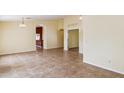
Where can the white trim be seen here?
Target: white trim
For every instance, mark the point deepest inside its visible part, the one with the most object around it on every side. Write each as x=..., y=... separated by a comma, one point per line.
x=16, y=52
x=113, y=70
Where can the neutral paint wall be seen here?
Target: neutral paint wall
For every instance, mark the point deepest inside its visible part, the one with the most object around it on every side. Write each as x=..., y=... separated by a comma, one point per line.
x=52, y=34
x=73, y=38
x=70, y=23
x=0, y=38
x=104, y=41
x=14, y=39
x=60, y=39
x=60, y=24
x=60, y=33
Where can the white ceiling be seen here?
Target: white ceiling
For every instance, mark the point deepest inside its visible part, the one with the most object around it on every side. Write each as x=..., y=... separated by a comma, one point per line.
x=33, y=17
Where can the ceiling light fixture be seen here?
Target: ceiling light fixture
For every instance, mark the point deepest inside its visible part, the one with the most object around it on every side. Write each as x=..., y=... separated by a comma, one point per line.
x=22, y=24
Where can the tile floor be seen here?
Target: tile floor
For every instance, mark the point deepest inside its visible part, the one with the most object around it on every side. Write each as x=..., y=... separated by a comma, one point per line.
x=54, y=63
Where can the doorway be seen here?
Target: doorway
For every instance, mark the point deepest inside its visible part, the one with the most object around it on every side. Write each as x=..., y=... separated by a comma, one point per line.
x=73, y=40
x=39, y=38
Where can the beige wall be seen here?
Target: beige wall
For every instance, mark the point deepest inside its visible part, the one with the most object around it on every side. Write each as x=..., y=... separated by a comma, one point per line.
x=104, y=41
x=60, y=35
x=14, y=39
x=52, y=34
x=70, y=23
x=73, y=38
x=0, y=38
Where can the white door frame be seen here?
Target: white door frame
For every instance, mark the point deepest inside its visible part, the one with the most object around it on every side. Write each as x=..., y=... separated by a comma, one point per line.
x=68, y=36
x=66, y=39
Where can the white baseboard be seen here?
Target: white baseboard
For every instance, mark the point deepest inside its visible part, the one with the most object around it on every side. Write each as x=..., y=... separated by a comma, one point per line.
x=113, y=70
x=14, y=52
